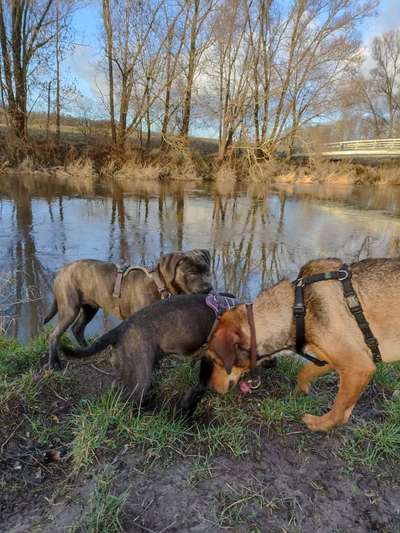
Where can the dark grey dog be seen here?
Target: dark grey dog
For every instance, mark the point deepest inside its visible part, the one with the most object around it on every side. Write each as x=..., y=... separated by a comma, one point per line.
x=82, y=287
x=179, y=325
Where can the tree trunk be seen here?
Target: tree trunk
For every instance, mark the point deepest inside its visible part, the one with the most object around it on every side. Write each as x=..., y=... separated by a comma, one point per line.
x=148, y=118
x=109, y=52
x=48, y=110
x=165, y=122
x=123, y=112
x=58, y=99
x=187, y=103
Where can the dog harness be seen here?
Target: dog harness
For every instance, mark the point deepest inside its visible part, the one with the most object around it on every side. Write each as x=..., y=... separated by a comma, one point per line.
x=344, y=275
x=123, y=271
x=219, y=303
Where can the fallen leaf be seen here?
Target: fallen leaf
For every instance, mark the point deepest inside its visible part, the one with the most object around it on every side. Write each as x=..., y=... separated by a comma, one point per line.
x=53, y=455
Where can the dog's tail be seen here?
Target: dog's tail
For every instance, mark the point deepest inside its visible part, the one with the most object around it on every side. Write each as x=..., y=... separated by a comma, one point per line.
x=108, y=339
x=53, y=311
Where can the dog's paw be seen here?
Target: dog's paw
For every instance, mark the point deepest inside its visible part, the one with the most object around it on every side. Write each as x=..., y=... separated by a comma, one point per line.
x=187, y=405
x=302, y=389
x=316, y=423
x=56, y=364
x=183, y=412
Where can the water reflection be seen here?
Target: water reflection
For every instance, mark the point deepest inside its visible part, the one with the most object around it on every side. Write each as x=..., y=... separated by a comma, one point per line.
x=256, y=235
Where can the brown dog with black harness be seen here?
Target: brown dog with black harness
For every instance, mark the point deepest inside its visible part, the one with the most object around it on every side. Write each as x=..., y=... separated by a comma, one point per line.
x=82, y=287
x=343, y=319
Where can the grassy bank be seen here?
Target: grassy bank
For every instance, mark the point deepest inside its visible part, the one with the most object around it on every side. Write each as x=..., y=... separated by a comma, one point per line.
x=84, y=161
x=62, y=431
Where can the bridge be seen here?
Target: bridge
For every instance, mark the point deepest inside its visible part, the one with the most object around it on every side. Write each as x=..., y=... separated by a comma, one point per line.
x=367, y=149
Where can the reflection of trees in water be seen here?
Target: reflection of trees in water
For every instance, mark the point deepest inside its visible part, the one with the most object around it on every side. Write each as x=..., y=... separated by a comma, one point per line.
x=258, y=252
x=357, y=196
x=250, y=237
x=128, y=238
x=118, y=226
x=32, y=279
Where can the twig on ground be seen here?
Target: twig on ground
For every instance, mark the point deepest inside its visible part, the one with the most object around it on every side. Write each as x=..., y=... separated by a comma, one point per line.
x=10, y=436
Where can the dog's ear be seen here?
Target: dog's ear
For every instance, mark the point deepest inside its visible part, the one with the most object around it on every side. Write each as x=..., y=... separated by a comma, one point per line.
x=169, y=263
x=224, y=345
x=205, y=254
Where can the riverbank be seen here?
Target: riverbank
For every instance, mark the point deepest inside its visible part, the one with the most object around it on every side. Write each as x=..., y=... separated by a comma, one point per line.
x=86, y=162
x=74, y=454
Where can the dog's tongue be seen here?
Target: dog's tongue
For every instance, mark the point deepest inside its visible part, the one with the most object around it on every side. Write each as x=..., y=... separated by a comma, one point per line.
x=244, y=387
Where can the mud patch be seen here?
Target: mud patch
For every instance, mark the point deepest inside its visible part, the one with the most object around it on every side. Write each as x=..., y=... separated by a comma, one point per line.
x=246, y=463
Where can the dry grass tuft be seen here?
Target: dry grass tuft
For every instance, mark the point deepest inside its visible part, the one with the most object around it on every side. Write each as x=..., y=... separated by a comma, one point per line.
x=82, y=167
x=179, y=161
x=135, y=170
x=225, y=174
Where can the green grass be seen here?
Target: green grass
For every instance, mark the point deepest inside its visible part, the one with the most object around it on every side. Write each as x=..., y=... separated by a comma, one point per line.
x=289, y=366
x=110, y=422
x=224, y=437
x=239, y=505
x=290, y=409
x=175, y=381
x=199, y=471
x=223, y=424
x=95, y=426
x=374, y=441
x=16, y=358
x=388, y=376
x=104, y=507
x=159, y=434
x=230, y=429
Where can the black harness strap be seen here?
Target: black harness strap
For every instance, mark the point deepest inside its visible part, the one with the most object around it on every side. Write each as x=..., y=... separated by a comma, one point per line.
x=355, y=307
x=299, y=311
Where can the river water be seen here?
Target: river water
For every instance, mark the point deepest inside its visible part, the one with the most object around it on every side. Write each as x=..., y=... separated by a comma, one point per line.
x=256, y=234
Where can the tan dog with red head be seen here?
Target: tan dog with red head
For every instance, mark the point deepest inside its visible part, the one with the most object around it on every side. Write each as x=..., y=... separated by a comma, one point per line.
x=332, y=333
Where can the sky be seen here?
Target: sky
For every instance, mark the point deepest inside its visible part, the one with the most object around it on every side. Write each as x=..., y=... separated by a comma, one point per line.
x=83, y=61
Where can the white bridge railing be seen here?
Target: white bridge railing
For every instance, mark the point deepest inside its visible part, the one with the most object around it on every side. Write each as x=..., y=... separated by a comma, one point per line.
x=376, y=148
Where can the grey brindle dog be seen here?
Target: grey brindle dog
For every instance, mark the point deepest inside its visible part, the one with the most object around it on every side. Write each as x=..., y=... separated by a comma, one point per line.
x=179, y=325
x=82, y=287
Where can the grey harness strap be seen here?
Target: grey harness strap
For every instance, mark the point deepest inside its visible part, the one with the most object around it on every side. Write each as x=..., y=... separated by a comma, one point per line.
x=123, y=271
x=162, y=289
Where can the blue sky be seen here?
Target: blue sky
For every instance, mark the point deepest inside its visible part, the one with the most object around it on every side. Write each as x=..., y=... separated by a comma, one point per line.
x=82, y=63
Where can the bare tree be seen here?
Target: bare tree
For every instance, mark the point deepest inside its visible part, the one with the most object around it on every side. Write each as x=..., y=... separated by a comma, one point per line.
x=386, y=77
x=134, y=51
x=233, y=73
x=199, y=11
x=373, y=98
x=176, y=29
x=108, y=30
x=26, y=27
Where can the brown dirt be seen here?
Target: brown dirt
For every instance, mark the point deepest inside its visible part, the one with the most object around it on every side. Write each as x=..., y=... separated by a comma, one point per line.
x=283, y=485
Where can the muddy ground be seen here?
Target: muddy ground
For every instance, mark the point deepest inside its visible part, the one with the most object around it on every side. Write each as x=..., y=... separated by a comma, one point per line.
x=264, y=472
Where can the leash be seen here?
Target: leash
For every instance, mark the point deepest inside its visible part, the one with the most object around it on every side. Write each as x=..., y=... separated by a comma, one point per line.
x=253, y=339
x=343, y=275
